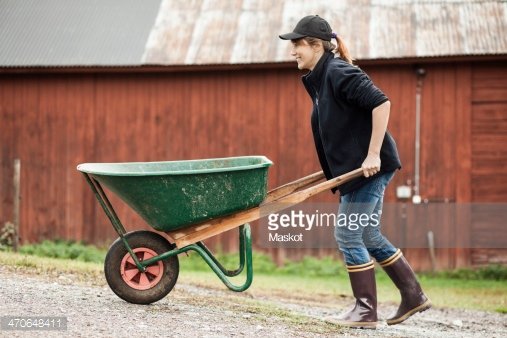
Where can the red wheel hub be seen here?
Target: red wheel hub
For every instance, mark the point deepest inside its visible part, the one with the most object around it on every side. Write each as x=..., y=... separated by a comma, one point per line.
x=137, y=279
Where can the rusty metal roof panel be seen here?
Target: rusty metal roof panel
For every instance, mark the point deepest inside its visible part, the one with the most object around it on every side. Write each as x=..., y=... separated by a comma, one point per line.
x=235, y=32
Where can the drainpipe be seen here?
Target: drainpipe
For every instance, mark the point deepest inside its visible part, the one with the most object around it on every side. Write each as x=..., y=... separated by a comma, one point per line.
x=420, y=73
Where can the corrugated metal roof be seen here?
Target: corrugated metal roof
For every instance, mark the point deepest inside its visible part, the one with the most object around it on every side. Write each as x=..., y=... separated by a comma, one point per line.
x=236, y=31
x=75, y=32
x=188, y=32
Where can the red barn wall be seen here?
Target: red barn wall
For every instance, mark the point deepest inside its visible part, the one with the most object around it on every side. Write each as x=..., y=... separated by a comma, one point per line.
x=54, y=121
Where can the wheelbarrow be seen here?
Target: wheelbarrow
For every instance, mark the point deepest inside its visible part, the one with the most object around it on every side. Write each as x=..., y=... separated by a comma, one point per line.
x=189, y=201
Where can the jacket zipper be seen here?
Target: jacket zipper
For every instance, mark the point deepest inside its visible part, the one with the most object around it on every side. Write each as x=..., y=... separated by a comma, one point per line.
x=318, y=115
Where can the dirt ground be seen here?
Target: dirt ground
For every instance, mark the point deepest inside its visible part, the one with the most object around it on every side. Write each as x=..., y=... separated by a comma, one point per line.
x=93, y=310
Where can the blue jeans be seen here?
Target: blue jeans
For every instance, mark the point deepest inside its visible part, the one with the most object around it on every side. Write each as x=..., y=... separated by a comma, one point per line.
x=358, y=225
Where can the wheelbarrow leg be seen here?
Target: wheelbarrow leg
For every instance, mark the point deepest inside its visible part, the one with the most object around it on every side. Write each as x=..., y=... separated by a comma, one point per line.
x=242, y=253
x=245, y=258
x=113, y=217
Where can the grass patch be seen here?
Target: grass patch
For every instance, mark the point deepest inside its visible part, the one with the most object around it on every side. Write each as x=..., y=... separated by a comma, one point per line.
x=501, y=310
x=65, y=250
x=490, y=272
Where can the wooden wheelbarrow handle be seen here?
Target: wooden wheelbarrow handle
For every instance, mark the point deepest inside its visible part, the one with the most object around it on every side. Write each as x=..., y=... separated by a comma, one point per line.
x=286, y=197
x=290, y=199
x=289, y=188
x=285, y=193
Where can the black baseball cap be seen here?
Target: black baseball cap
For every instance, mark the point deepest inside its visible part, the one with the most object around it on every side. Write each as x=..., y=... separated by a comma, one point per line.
x=313, y=26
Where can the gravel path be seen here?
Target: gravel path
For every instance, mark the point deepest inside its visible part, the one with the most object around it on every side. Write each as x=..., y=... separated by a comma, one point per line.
x=191, y=311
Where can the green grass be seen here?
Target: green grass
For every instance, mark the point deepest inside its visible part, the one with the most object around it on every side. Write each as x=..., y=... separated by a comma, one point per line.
x=65, y=250
x=311, y=278
x=490, y=272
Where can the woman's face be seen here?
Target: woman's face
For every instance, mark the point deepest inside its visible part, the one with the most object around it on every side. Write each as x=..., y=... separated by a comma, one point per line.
x=306, y=55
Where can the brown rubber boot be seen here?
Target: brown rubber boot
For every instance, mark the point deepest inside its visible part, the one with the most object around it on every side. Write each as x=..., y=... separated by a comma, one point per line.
x=413, y=299
x=364, y=289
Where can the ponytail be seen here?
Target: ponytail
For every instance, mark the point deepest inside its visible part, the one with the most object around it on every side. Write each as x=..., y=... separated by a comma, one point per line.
x=342, y=49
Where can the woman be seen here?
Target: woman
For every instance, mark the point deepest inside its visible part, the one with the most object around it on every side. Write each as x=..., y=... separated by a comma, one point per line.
x=349, y=124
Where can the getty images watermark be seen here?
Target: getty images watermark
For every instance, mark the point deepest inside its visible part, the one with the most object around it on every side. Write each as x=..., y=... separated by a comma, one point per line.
x=299, y=221
x=407, y=225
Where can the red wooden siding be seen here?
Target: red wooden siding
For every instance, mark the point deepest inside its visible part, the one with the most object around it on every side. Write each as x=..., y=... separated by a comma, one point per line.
x=489, y=134
x=489, y=155
x=53, y=122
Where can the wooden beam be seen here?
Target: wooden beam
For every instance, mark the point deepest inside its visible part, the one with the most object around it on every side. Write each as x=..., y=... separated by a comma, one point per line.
x=289, y=188
x=15, y=219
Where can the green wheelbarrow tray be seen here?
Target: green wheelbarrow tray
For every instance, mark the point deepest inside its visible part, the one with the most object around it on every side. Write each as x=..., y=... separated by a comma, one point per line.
x=171, y=195
x=190, y=201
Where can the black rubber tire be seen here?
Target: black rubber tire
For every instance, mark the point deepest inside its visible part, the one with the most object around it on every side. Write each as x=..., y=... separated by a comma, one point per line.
x=138, y=239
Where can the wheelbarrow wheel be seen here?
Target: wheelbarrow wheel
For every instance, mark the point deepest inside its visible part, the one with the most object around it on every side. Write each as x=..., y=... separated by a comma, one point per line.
x=132, y=285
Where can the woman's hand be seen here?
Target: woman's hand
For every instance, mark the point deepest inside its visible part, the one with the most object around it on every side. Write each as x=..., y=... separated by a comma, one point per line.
x=371, y=164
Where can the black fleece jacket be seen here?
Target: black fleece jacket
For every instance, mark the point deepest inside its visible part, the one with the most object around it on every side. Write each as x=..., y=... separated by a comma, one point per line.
x=343, y=99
